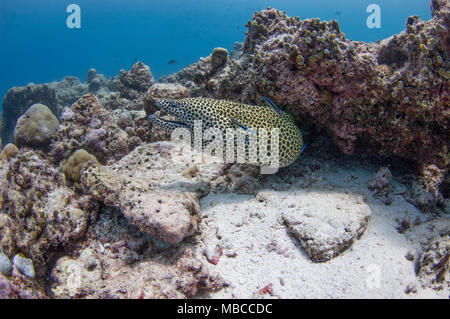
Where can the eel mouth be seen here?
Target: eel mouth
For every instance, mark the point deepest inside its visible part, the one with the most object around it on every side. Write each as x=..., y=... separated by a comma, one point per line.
x=164, y=115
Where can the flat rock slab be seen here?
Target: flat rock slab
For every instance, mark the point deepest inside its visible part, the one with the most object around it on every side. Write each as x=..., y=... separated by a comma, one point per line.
x=327, y=224
x=168, y=214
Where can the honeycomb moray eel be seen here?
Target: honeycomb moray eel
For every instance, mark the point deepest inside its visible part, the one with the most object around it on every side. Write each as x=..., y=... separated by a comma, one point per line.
x=224, y=114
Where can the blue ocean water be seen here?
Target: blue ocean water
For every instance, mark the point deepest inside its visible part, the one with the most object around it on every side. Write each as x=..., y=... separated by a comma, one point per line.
x=36, y=45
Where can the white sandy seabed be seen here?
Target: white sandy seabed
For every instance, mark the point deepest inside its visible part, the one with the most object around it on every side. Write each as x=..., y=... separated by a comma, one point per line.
x=258, y=250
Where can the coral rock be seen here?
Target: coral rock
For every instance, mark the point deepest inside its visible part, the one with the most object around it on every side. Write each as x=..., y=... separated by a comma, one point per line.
x=386, y=98
x=24, y=265
x=90, y=126
x=326, y=232
x=42, y=213
x=179, y=276
x=381, y=185
x=5, y=264
x=36, y=127
x=168, y=214
x=18, y=99
x=8, y=152
x=74, y=164
x=134, y=83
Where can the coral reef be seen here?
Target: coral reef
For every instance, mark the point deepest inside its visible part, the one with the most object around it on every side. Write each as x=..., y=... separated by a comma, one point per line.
x=203, y=75
x=104, y=211
x=386, y=98
x=35, y=127
x=41, y=217
x=159, y=196
x=55, y=95
x=17, y=289
x=424, y=190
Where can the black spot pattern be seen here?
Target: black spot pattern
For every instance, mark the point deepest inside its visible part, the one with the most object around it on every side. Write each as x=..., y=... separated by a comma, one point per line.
x=218, y=113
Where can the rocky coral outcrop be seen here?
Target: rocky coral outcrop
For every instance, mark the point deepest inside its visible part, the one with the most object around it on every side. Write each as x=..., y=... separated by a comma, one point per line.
x=75, y=164
x=68, y=90
x=327, y=230
x=55, y=95
x=41, y=217
x=166, y=214
x=35, y=127
x=17, y=289
x=424, y=191
x=99, y=84
x=90, y=126
x=134, y=83
x=159, y=193
x=170, y=215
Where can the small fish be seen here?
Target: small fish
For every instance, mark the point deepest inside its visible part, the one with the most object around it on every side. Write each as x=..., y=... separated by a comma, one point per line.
x=223, y=114
x=171, y=61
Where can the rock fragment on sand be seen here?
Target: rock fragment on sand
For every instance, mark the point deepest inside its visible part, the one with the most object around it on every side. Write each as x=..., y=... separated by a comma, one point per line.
x=24, y=265
x=328, y=226
x=9, y=151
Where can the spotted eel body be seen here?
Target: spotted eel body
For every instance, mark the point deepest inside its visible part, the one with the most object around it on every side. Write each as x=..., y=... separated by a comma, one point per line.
x=224, y=114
